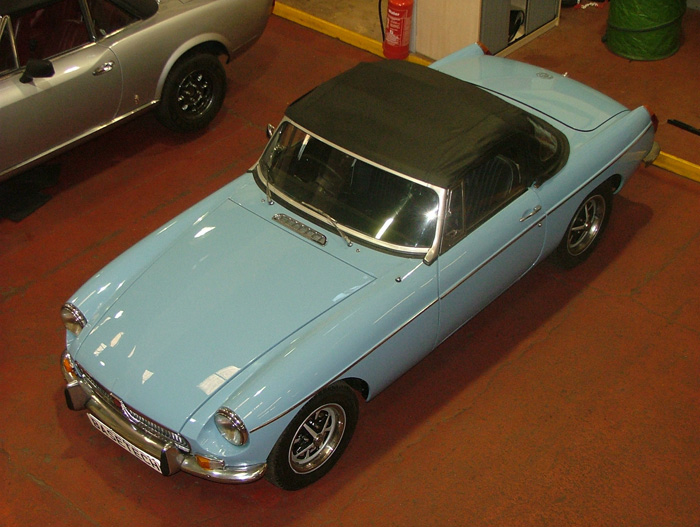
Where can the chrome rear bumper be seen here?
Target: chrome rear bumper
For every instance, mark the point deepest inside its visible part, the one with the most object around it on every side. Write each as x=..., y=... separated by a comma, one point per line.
x=160, y=455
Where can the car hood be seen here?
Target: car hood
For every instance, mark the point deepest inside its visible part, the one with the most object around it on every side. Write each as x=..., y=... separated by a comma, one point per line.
x=227, y=290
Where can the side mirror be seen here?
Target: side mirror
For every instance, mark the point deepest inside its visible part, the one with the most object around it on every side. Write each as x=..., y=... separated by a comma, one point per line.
x=36, y=69
x=270, y=130
x=430, y=257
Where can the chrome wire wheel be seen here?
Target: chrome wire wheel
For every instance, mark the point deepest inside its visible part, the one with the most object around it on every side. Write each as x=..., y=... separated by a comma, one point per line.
x=586, y=225
x=317, y=439
x=195, y=93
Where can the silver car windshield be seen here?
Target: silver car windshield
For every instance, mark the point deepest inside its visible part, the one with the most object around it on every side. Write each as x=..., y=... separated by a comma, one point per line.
x=362, y=198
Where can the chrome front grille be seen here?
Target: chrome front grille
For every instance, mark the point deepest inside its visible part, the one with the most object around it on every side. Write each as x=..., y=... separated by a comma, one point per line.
x=141, y=421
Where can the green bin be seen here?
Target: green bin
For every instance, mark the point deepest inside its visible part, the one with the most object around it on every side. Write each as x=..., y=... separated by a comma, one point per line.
x=644, y=29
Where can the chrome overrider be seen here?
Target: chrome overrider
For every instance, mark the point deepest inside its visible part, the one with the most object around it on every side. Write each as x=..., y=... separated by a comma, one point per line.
x=82, y=395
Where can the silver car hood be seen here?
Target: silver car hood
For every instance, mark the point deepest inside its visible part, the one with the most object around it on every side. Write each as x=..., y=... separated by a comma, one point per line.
x=225, y=292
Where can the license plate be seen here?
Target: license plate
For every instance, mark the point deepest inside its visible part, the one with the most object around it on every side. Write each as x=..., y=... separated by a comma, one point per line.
x=147, y=458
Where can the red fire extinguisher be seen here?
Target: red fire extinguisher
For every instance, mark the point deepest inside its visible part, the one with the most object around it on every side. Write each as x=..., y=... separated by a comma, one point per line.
x=398, y=29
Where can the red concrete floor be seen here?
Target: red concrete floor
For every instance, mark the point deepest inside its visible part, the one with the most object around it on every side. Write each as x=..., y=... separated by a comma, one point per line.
x=571, y=400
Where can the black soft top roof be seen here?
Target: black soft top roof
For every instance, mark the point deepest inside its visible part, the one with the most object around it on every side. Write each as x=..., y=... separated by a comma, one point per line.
x=407, y=117
x=138, y=8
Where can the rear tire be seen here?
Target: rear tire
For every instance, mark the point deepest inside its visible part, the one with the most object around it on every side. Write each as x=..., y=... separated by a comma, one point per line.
x=586, y=227
x=315, y=439
x=193, y=93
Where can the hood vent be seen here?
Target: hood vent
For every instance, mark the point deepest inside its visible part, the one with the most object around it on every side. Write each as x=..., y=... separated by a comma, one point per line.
x=301, y=229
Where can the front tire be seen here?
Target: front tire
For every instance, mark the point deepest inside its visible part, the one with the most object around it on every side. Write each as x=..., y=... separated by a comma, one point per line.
x=586, y=227
x=315, y=439
x=193, y=93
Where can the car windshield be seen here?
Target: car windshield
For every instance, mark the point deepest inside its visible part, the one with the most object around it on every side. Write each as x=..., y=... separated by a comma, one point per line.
x=361, y=198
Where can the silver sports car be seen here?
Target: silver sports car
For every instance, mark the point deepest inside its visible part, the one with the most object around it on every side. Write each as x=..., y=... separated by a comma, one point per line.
x=71, y=68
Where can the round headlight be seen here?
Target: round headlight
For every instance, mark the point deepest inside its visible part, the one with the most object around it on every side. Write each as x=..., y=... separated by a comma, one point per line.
x=231, y=426
x=73, y=319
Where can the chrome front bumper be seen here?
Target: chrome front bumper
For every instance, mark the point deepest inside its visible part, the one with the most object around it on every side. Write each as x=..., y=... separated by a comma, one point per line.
x=160, y=455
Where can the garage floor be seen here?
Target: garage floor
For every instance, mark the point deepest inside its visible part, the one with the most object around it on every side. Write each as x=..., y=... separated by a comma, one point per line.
x=571, y=400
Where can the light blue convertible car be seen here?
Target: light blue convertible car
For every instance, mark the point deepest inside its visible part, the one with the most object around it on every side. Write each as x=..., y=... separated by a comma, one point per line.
x=392, y=204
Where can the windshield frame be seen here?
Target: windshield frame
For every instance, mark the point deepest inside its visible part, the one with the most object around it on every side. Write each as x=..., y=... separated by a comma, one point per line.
x=322, y=219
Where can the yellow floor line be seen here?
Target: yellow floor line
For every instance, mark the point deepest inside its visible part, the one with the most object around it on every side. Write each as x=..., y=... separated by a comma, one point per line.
x=664, y=160
x=678, y=166
x=332, y=30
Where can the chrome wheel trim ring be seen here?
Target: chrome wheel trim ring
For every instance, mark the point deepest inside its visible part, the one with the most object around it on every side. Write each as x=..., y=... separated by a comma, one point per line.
x=586, y=225
x=195, y=93
x=317, y=439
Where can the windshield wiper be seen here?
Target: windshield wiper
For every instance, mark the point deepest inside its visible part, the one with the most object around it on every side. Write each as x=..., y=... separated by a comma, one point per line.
x=267, y=165
x=268, y=192
x=331, y=220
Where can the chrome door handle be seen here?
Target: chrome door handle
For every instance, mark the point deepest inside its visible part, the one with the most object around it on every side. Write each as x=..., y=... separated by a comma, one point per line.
x=532, y=213
x=105, y=68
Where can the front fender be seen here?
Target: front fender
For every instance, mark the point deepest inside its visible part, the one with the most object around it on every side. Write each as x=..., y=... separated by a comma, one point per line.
x=374, y=327
x=209, y=43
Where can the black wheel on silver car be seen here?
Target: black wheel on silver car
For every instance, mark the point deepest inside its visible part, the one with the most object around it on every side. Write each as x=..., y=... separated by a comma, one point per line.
x=586, y=227
x=193, y=93
x=315, y=439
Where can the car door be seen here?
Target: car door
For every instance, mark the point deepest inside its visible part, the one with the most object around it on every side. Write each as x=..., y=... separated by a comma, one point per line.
x=493, y=234
x=41, y=114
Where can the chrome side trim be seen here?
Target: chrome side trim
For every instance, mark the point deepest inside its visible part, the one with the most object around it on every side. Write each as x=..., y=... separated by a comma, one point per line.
x=360, y=359
x=601, y=172
x=538, y=224
x=56, y=150
x=385, y=340
x=550, y=211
